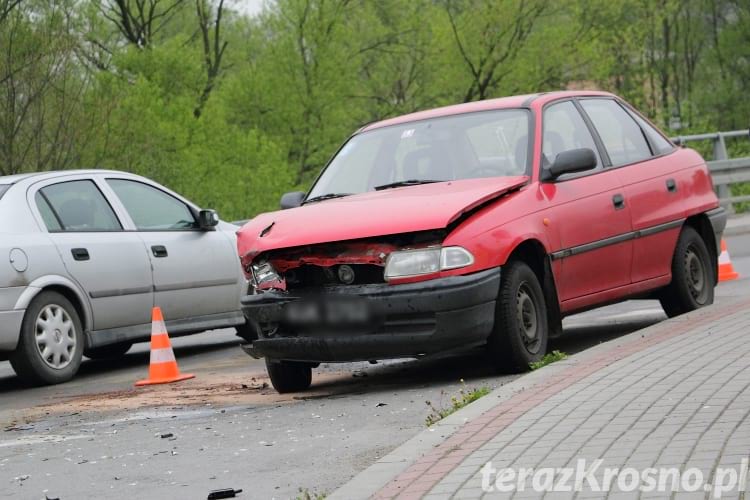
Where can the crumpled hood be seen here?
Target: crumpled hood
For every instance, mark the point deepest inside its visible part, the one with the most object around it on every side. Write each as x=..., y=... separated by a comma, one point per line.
x=376, y=213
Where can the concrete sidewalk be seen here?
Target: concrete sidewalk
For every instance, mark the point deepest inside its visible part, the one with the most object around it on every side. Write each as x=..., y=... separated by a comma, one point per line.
x=675, y=395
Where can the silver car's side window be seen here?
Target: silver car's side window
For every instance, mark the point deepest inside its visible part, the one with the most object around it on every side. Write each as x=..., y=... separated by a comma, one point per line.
x=76, y=206
x=48, y=215
x=152, y=209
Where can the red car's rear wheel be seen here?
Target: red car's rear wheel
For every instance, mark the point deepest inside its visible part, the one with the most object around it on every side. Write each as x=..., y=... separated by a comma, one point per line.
x=693, y=277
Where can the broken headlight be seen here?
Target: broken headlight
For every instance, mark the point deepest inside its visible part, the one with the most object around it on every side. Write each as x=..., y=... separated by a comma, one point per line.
x=407, y=263
x=265, y=276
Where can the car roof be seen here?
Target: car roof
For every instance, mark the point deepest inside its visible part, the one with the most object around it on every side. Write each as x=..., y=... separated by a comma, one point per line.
x=519, y=101
x=52, y=174
x=12, y=179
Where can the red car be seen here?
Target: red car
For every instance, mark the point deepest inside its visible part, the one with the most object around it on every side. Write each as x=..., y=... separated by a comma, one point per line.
x=481, y=224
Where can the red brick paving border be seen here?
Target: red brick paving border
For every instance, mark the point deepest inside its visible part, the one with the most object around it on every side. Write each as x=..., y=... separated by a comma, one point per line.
x=428, y=470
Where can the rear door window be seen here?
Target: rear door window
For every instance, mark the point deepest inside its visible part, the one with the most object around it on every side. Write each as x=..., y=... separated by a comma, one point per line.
x=621, y=135
x=48, y=215
x=658, y=142
x=3, y=189
x=76, y=206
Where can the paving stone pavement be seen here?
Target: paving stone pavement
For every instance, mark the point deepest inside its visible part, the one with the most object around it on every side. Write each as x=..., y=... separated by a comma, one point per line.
x=676, y=395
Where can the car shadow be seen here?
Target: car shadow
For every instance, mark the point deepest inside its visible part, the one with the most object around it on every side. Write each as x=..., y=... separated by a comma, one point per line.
x=471, y=367
x=360, y=378
x=92, y=368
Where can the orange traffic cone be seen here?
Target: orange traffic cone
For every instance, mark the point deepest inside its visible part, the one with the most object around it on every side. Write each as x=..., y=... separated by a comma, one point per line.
x=726, y=270
x=163, y=367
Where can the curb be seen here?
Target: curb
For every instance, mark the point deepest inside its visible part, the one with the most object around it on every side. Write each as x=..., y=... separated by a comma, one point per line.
x=368, y=482
x=737, y=230
x=737, y=225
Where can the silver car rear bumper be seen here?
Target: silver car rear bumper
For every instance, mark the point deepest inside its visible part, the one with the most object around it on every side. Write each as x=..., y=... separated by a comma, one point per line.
x=10, y=327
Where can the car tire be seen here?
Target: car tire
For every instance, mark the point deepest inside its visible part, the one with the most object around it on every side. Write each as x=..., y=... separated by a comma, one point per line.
x=289, y=376
x=51, y=324
x=108, y=351
x=521, y=331
x=693, y=277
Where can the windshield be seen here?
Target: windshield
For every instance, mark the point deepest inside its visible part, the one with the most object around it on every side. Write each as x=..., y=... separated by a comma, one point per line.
x=3, y=189
x=471, y=145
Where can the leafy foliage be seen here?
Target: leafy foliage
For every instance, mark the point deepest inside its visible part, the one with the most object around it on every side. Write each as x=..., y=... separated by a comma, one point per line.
x=548, y=358
x=465, y=396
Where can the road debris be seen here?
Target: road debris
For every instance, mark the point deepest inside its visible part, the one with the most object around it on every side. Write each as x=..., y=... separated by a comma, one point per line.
x=224, y=493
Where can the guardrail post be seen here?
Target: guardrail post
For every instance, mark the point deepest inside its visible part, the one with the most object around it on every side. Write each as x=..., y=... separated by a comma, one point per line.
x=720, y=153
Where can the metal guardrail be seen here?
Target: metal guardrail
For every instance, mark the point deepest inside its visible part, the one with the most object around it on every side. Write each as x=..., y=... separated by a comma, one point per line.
x=724, y=170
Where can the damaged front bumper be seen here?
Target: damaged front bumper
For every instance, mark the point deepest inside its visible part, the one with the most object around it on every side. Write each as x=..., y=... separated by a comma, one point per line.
x=417, y=319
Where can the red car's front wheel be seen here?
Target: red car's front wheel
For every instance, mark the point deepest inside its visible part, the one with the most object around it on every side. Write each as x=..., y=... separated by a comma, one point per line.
x=289, y=376
x=520, y=334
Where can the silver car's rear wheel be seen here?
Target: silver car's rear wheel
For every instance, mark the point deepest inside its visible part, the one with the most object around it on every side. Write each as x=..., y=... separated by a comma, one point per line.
x=50, y=345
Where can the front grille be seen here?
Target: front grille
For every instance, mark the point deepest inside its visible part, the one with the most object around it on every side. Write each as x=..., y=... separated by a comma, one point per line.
x=309, y=276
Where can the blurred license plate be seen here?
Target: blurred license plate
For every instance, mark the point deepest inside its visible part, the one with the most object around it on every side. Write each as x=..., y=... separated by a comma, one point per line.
x=332, y=314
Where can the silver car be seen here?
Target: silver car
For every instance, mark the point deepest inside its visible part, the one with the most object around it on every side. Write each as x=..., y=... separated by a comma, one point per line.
x=85, y=255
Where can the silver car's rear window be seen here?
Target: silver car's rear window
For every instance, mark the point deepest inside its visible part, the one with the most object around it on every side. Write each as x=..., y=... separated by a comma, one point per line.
x=3, y=189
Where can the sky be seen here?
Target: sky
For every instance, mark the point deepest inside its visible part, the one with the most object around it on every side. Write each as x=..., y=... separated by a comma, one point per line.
x=250, y=7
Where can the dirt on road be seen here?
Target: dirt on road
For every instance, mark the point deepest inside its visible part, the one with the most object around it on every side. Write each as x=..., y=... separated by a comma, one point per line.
x=210, y=390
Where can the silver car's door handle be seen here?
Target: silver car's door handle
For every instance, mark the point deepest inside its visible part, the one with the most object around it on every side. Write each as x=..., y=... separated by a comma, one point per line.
x=159, y=251
x=80, y=253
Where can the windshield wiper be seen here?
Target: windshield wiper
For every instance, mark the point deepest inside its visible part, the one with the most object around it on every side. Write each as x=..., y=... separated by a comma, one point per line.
x=408, y=182
x=326, y=196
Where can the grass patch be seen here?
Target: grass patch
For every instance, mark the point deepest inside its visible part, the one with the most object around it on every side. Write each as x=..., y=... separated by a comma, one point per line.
x=305, y=494
x=548, y=358
x=464, y=397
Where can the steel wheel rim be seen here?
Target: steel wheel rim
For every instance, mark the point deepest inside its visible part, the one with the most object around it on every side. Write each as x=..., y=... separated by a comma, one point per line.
x=55, y=336
x=695, y=273
x=527, y=317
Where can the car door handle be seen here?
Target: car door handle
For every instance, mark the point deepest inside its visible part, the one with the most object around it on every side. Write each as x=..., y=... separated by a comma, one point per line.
x=671, y=186
x=618, y=201
x=80, y=253
x=159, y=251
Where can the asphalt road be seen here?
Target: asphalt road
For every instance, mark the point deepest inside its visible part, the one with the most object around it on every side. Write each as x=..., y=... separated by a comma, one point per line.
x=98, y=436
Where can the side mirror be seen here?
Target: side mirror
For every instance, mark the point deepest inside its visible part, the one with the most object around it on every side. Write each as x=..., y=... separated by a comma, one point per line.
x=208, y=219
x=571, y=161
x=291, y=200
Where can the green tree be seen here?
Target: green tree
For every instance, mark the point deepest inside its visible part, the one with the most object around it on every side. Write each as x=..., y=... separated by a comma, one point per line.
x=42, y=88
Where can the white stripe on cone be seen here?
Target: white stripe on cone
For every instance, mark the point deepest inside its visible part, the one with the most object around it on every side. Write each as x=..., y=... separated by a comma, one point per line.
x=724, y=257
x=162, y=356
x=158, y=327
